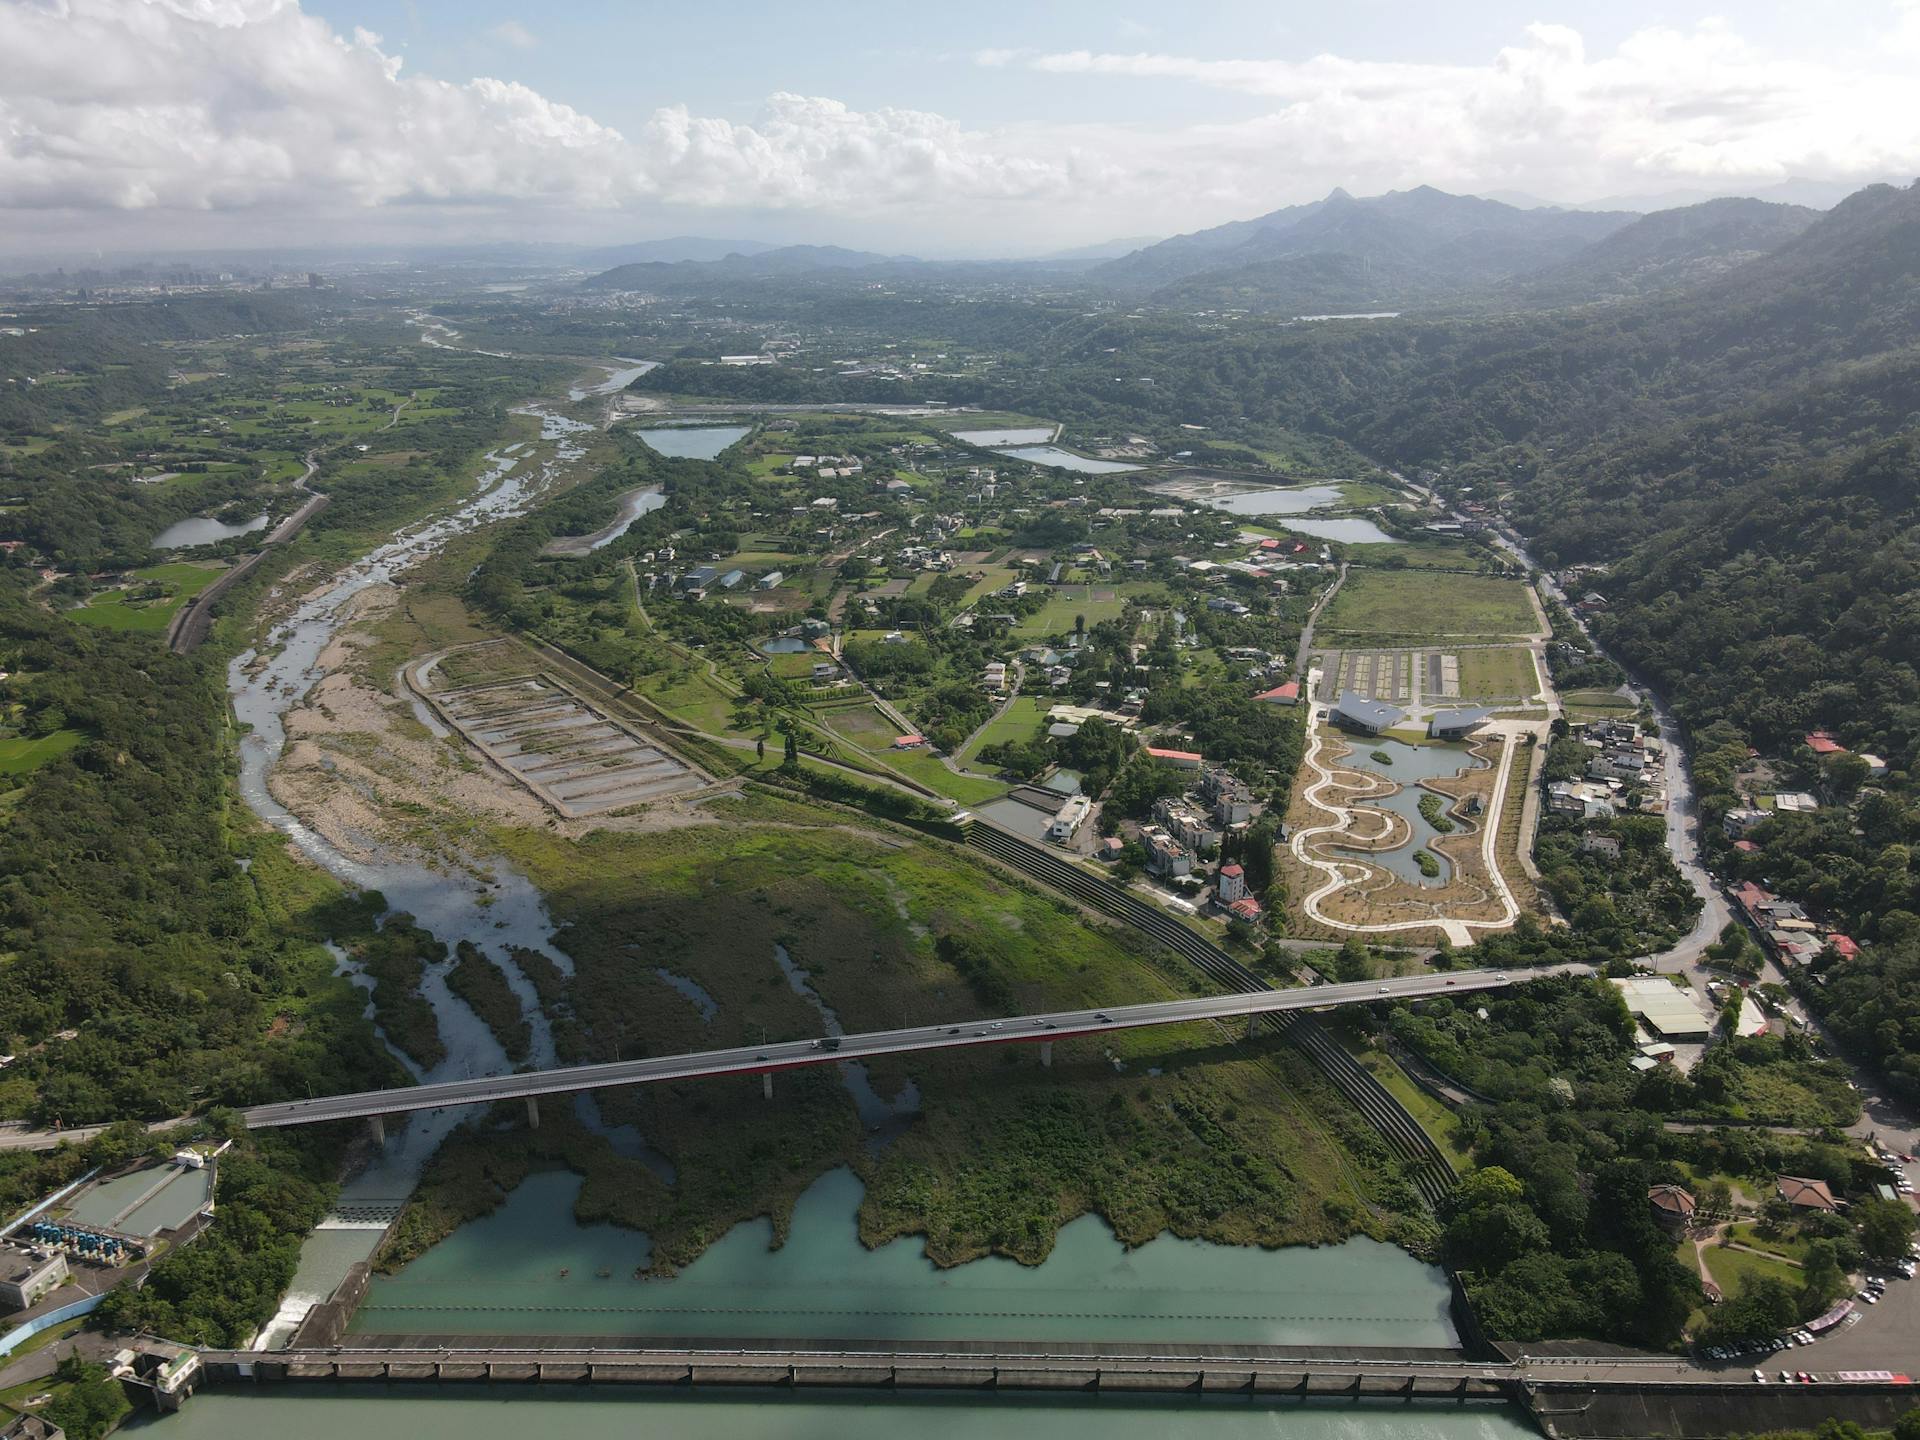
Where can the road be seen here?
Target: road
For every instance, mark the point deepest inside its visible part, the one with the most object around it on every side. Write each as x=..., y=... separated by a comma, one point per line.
x=787, y=1055
x=1306, y=631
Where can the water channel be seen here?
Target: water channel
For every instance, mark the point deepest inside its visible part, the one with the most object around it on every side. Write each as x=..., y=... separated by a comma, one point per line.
x=530, y=1267
x=492, y=905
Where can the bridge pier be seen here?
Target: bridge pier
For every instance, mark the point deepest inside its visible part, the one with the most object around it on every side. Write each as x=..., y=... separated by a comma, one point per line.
x=1046, y=1054
x=377, y=1127
x=766, y=1085
x=533, y=1112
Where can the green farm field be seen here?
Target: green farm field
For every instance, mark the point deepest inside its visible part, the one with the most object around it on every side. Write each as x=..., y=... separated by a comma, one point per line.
x=1436, y=605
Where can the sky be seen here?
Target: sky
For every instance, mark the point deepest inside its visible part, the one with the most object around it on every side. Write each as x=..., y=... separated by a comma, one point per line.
x=989, y=128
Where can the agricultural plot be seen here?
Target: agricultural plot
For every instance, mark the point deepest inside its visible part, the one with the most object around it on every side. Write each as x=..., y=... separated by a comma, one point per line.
x=559, y=745
x=1094, y=603
x=1497, y=673
x=1382, y=674
x=1437, y=605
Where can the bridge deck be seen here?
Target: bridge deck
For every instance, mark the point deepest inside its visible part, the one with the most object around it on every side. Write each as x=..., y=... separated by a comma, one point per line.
x=784, y=1055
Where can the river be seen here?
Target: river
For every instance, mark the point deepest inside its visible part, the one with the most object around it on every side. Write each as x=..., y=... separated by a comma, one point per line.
x=533, y=1261
x=491, y=905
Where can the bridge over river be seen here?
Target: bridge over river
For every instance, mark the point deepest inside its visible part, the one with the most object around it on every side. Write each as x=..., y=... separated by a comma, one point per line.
x=766, y=1060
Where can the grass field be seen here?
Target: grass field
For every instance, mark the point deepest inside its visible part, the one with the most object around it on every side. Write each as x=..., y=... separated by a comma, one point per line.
x=19, y=755
x=1787, y=1247
x=1019, y=722
x=1064, y=605
x=1435, y=554
x=1426, y=604
x=1733, y=1269
x=112, y=610
x=1597, y=705
x=864, y=727
x=1505, y=673
x=689, y=694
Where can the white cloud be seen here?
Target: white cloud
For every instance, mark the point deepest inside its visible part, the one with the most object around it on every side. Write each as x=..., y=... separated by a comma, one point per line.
x=256, y=115
x=231, y=104
x=512, y=32
x=1667, y=105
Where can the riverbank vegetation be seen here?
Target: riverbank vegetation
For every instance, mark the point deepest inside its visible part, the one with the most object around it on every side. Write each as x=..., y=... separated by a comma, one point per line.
x=1153, y=1130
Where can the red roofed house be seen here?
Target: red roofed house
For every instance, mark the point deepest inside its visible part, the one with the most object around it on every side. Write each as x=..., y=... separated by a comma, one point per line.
x=909, y=742
x=1746, y=847
x=1672, y=1206
x=1287, y=694
x=1264, y=544
x=1806, y=1194
x=1843, y=946
x=1231, y=883
x=1821, y=743
x=1246, y=911
x=1179, y=759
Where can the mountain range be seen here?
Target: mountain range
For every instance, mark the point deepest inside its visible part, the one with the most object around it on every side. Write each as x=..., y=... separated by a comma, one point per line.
x=1418, y=249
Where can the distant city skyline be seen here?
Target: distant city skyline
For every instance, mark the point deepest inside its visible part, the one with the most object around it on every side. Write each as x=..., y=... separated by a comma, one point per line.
x=1000, y=131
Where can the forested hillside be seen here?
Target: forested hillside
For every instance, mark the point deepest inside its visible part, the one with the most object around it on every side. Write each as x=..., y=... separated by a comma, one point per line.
x=147, y=972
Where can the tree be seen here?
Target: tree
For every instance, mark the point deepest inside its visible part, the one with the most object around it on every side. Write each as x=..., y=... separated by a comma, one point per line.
x=1886, y=1228
x=1353, y=962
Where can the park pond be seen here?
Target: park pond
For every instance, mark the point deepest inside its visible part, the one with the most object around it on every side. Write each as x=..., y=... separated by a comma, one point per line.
x=531, y=1268
x=204, y=530
x=693, y=442
x=1409, y=764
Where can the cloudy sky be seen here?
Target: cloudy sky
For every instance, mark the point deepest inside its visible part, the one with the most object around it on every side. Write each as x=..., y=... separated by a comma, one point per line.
x=985, y=128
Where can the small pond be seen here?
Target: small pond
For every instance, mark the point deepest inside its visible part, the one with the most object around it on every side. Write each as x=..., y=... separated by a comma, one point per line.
x=693, y=442
x=203, y=530
x=1067, y=460
x=1029, y=435
x=1347, y=529
x=1279, y=500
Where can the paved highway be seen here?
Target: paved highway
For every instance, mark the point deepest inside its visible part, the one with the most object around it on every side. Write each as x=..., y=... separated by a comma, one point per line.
x=786, y=1055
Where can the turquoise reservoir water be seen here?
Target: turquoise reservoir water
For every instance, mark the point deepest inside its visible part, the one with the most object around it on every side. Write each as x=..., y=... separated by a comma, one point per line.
x=529, y=1268
x=432, y=1412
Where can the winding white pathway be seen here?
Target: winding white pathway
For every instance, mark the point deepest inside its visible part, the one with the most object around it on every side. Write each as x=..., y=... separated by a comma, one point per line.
x=1339, y=876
